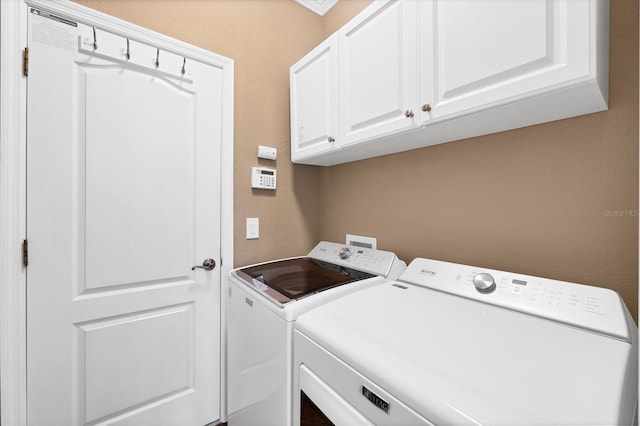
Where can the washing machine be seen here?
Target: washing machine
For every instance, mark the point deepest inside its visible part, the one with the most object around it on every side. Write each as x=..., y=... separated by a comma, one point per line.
x=462, y=345
x=263, y=303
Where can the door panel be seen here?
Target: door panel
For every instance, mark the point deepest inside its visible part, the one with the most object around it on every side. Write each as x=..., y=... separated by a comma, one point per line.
x=123, y=178
x=113, y=351
x=129, y=193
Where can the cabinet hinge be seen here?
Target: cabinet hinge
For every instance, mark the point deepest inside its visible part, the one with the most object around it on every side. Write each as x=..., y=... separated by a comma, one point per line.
x=25, y=253
x=25, y=62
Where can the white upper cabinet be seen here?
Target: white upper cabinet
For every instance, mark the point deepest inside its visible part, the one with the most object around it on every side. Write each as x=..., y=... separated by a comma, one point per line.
x=478, y=54
x=418, y=73
x=314, y=101
x=378, y=72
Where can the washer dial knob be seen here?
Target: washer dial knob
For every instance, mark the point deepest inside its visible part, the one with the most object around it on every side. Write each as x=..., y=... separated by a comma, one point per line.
x=484, y=283
x=344, y=253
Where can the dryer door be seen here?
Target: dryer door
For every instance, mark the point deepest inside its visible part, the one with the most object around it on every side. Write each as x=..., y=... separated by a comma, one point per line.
x=329, y=391
x=322, y=406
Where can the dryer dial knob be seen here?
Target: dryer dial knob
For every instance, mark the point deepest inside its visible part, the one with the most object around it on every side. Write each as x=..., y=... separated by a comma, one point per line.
x=484, y=283
x=344, y=253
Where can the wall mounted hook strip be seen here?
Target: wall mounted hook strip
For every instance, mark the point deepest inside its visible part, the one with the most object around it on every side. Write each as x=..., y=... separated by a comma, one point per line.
x=95, y=40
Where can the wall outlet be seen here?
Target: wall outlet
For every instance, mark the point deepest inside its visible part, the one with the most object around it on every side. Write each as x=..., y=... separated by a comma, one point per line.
x=360, y=241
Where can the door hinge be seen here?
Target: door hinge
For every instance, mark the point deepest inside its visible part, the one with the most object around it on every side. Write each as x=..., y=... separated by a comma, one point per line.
x=25, y=253
x=25, y=62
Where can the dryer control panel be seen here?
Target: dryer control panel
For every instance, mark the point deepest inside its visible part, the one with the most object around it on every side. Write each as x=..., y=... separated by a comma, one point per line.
x=592, y=308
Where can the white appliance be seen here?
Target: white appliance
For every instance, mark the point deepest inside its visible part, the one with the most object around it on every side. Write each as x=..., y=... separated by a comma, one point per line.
x=455, y=344
x=264, y=301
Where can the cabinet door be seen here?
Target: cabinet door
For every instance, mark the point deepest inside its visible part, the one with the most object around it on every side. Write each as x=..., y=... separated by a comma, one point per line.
x=314, y=101
x=378, y=71
x=476, y=55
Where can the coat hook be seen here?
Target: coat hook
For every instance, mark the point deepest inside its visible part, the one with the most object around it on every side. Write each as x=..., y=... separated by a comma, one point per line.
x=128, y=52
x=184, y=61
x=157, y=57
x=95, y=40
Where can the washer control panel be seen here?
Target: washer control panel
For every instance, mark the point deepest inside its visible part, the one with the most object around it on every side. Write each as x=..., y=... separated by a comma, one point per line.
x=377, y=262
x=592, y=308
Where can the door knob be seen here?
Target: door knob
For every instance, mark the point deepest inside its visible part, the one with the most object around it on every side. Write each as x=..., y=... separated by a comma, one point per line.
x=207, y=265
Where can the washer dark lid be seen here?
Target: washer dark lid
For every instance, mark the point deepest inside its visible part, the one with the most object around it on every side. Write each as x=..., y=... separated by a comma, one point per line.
x=296, y=278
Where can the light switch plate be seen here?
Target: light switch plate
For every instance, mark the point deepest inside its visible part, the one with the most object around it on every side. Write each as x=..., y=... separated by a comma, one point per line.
x=253, y=228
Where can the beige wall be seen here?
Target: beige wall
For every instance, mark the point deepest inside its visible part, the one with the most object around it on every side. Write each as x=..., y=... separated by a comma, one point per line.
x=264, y=38
x=532, y=200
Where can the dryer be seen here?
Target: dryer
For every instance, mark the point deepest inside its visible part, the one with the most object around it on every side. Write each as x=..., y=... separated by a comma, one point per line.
x=464, y=345
x=264, y=301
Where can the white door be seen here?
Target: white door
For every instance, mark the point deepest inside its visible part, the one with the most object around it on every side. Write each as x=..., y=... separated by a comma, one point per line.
x=476, y=55
x=123, y=186
x=378, y=72
x=314, y=101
